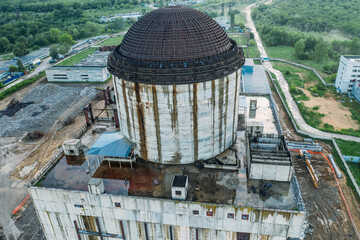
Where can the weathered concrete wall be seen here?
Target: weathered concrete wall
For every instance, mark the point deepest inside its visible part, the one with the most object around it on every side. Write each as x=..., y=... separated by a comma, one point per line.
x=77, y=75
x=179, y=123
x=58, y=209
x=272, y=172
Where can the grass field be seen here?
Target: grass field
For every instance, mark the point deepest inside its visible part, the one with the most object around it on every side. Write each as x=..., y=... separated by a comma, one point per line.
x=348, y=148
x=351, y=148
x=355, y=170
x=7, y=56
x=78, y=57
x=112, y=41
x=288, y=53
x=300, y=79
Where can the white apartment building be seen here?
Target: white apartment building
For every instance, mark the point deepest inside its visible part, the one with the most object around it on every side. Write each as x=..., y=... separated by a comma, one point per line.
x=348, y=75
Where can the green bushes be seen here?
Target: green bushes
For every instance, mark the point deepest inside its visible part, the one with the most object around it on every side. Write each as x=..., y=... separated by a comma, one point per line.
x=349, y=148
x=21, y=85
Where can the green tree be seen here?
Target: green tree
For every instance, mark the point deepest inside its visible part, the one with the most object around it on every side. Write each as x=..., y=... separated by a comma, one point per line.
x=1, y=85
x=64, y=49
x=66, y=39
x=232, y=19
x=20, y=49
x=13, y=68
x=93, y=28
x=54, y=35
x=4, y=44
x=21, y=67
x=54, y=52
x=299, y=48
x=320, y=52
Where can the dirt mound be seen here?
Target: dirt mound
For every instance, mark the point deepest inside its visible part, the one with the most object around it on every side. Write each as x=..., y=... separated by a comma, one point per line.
x=68, y=121
x=107, y=48
x=13, y=107
x=34, y=135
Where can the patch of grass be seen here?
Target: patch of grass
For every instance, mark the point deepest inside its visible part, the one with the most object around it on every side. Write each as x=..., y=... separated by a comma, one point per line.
x=7, y=56
x=349, y=148
x=78, y=57
x=355, y=170
x=296, y=76
x=288, y=53
x=21, y=85
x=254, y=52
x=257, y=62
x=112, y=41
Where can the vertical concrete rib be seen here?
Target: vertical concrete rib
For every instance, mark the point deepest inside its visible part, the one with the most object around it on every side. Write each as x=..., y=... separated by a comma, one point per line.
x=213, y=139
x=175, y=123
x=226, y=109
x=157, y=122
x=141, y=121
x=221, y=112
x=126, y=109
x=235, y=110
x=195, y=122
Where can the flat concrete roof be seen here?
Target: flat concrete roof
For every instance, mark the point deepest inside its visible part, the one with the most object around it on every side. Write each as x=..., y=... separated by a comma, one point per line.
x=264, y=113
x=255, y=81
x=76, y=67
x=98, y=58
x=146, y=179
x=352, y=58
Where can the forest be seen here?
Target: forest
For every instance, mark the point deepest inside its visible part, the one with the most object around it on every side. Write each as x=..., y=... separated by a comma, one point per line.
x=294, y=22
x=27, y=25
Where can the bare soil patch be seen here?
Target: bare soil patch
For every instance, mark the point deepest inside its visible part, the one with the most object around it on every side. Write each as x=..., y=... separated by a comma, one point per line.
x=335, y=114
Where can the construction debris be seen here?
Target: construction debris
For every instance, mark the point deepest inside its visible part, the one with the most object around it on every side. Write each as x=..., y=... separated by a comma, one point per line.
x=40, y=108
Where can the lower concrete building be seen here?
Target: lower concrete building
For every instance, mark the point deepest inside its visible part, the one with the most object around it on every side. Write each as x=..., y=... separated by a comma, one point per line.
x=77, y=74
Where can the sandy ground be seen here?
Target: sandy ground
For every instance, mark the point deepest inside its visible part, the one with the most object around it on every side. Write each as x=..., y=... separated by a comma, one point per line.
x=335, y=114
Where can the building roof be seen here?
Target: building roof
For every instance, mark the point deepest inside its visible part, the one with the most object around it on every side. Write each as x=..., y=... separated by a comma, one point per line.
x=179, y=181
x=111, y=144
x=64, y=68
x=175, y=44
x=254, y=79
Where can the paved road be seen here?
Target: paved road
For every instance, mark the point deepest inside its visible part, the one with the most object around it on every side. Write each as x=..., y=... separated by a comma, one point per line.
x=44, y=65
x=285, y=88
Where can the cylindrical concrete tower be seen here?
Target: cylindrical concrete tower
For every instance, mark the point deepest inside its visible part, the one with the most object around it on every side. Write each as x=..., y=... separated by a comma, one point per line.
x=177, y=81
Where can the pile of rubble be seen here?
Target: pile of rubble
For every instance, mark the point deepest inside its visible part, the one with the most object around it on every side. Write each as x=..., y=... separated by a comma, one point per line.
x=41, y=107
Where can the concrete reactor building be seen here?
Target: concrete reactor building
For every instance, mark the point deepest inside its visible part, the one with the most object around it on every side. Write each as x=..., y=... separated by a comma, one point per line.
x=180, y=162
x=177, y=80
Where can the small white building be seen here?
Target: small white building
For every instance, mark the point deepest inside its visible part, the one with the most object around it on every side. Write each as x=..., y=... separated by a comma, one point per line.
x=348, y=74
x=179, y=187
x=77, y=74
x=72, y=147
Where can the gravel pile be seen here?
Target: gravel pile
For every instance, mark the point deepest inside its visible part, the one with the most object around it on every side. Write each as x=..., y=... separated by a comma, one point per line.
x=48, y=102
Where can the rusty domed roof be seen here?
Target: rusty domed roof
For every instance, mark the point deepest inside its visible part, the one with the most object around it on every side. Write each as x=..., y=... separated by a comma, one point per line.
x=175, y=45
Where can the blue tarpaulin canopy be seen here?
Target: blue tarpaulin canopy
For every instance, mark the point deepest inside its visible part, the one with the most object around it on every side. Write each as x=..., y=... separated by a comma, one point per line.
x=111, y=144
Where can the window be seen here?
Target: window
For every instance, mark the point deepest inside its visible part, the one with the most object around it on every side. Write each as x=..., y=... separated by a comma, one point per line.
x=117, y=205
x=79, y=206
x=245, y=217
x=231, y=215
x=195, y=212
x=353, y=75
x=354, y=70
x=209, y=213
x=71, y=151
x=178, y=192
